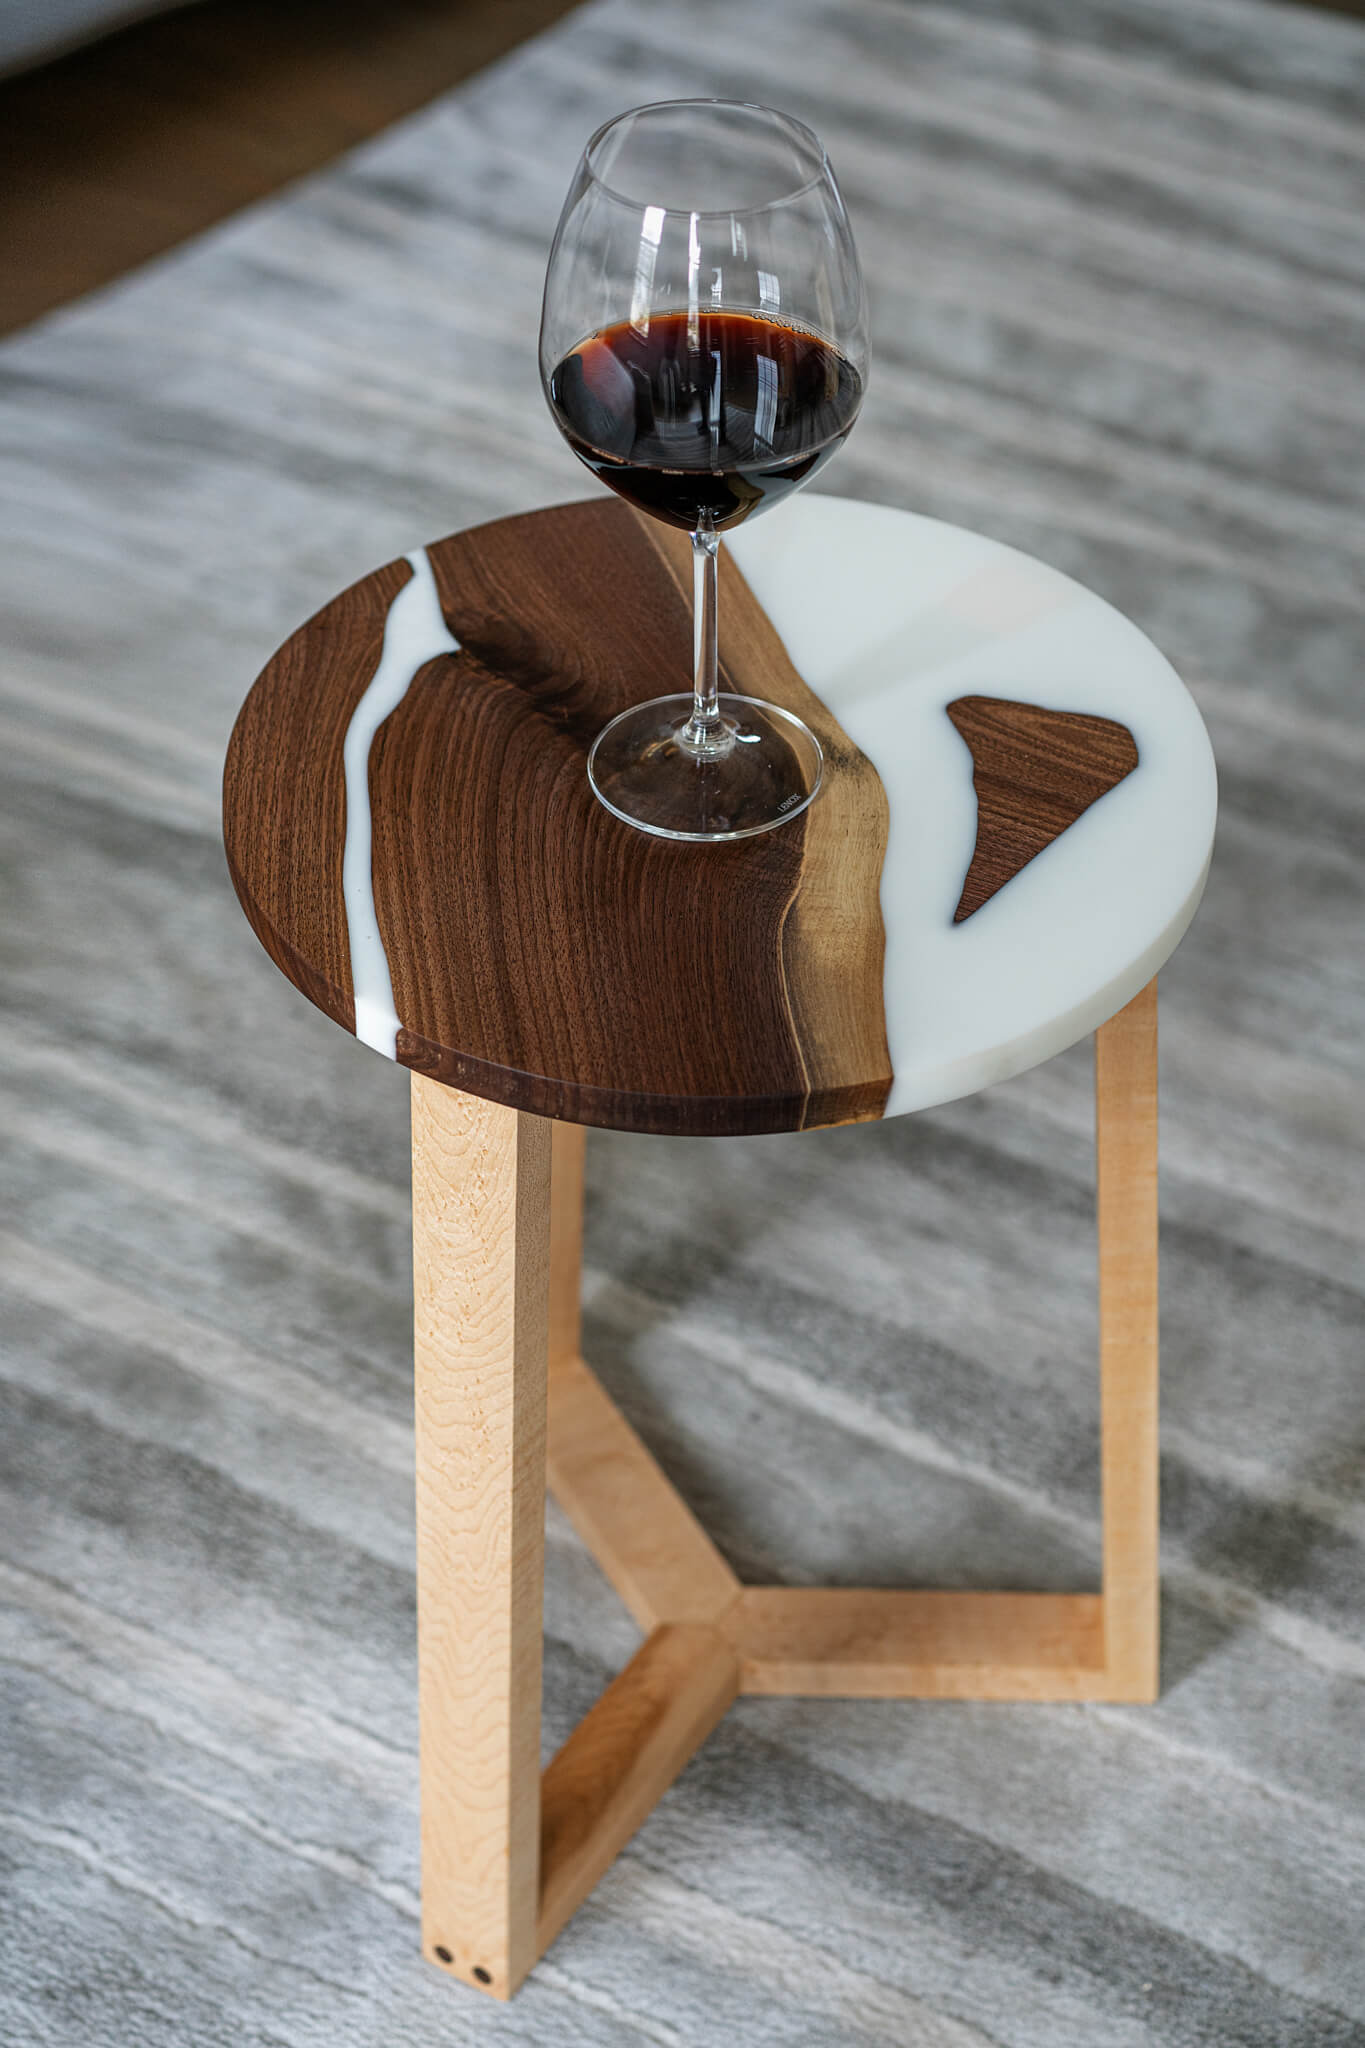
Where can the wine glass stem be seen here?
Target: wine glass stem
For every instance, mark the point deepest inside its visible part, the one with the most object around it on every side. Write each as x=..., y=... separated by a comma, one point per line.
x=705, y=733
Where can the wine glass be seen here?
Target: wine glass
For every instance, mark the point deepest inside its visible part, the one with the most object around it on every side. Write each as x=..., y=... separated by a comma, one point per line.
x=703, y=346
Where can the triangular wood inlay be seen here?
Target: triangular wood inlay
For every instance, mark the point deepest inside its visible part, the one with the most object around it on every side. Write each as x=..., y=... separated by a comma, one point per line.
x=1035, y=772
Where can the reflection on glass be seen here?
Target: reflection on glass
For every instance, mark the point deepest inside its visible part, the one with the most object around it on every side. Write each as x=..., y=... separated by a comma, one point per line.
x=704, y=350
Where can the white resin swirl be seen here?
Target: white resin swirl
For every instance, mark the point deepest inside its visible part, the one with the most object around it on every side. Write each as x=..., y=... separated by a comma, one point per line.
x=889, y=617
x=415, y=632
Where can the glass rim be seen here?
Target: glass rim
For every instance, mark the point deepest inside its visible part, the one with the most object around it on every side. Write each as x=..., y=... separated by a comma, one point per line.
x=807, y=136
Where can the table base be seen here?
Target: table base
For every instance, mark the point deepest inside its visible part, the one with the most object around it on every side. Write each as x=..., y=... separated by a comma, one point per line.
x=504, y=1402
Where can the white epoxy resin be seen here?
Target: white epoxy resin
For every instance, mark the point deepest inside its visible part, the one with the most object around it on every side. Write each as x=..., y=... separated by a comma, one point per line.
x=415, y=632
x=889, y=617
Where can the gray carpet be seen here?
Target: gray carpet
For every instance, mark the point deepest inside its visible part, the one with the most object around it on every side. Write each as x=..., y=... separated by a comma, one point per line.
x=1116, y=256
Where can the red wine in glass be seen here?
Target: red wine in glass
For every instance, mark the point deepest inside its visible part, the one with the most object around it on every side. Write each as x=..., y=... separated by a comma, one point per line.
x=703, y=347
x=700, y=418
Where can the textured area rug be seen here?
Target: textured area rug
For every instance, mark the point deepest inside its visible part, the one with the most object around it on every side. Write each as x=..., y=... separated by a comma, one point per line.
x=1117, y=257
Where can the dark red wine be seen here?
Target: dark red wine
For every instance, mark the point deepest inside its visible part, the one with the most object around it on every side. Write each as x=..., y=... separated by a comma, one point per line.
x=706, y=416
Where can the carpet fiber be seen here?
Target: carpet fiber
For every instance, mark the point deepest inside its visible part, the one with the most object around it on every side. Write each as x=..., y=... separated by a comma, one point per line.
x=1117, y=263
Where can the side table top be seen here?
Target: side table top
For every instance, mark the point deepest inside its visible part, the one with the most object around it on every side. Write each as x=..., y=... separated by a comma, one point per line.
x=1012, y=836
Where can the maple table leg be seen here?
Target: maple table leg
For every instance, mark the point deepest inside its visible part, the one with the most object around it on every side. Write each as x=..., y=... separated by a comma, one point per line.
x=480, y=1226
x=1126, y=1146
x=567, y=1145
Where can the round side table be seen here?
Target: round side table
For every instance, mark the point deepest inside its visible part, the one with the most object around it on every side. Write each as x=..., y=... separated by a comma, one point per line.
x=1013, y=834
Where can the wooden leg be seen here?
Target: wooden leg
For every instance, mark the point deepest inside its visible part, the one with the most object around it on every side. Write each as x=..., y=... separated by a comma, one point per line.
x=480, y=1227
x=567, y=1142
x=1024, y=1645
x=497, y=1232
x=1126, y=1145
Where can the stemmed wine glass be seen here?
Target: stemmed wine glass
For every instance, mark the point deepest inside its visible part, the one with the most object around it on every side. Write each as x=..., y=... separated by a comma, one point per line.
x=703, y=346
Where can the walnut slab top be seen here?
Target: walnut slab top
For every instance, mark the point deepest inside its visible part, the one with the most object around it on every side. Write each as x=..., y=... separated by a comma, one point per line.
x=1013, y=832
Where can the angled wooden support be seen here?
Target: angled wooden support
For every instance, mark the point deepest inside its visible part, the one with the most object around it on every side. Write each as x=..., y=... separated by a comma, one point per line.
x=879, y=1644
x=623, y=1756
x=503, y=1395
x=642, y=1533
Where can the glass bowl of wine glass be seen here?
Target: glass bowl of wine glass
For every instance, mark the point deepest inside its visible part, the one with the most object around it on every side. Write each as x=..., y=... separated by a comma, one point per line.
x=703, y=346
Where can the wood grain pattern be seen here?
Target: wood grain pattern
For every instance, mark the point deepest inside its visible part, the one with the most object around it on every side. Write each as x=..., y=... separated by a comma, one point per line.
x=480, y=1231
x=622, y=1758
x=294, y=905
x=1126, y=1154
x=1035, y=772
x=542, y=953
x=841, y=1642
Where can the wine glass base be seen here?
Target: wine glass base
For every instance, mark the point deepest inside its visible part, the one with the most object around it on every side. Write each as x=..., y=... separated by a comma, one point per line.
x=640, y=769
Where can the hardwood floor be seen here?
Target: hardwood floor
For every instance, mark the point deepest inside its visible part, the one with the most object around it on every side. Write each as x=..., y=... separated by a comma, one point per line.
x=120, y=150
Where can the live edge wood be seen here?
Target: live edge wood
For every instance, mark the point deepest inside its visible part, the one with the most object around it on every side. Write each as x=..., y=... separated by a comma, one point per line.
x=542, y=953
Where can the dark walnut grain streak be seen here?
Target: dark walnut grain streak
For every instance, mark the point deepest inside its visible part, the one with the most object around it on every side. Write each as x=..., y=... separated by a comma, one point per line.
x=543, y=953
